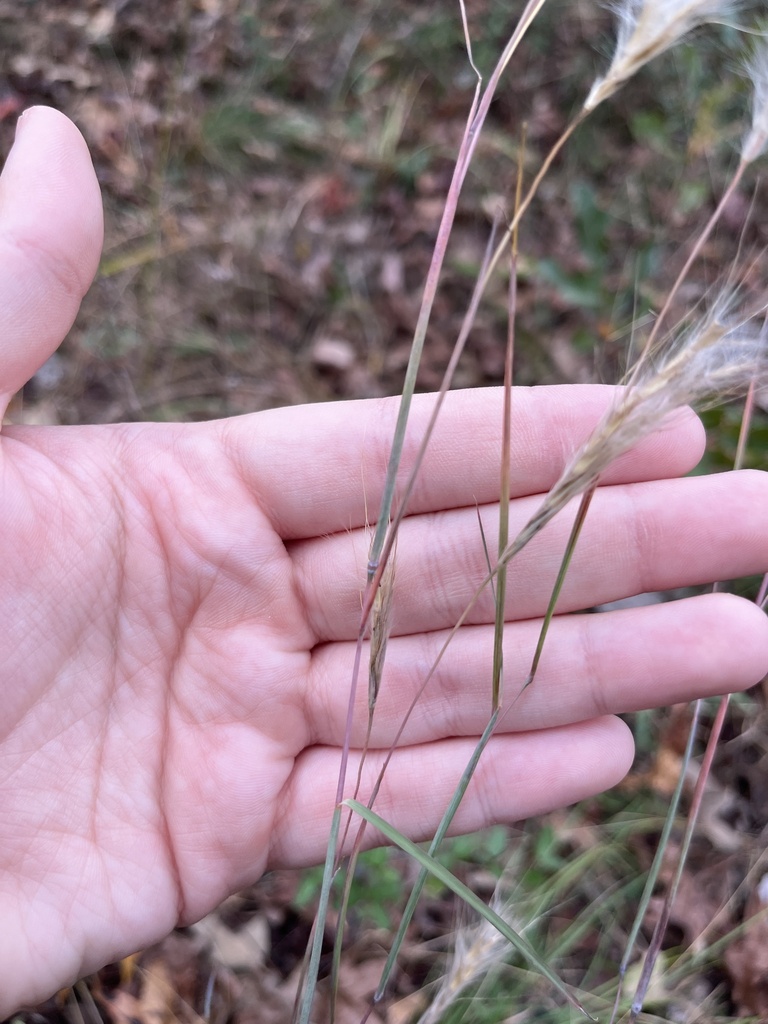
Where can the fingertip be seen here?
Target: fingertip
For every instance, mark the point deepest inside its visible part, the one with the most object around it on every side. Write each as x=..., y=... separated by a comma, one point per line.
x=686, y=437
x=674, y=448
x=51, y=232
x=593, y=756
x=745, y=627
x=48, y=182
x=558, y=767
x=614, y=745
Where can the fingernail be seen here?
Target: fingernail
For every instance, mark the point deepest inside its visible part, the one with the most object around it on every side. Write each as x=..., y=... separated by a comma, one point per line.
x=23, y=121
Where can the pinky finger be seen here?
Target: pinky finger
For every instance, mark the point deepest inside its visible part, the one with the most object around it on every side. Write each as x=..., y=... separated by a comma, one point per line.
x=518, y=776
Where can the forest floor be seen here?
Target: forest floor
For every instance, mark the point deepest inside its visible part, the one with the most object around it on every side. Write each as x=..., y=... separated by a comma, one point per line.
x=273, y=176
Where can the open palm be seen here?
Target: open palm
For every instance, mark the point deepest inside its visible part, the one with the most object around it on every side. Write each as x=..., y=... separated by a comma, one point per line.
x=180, y=602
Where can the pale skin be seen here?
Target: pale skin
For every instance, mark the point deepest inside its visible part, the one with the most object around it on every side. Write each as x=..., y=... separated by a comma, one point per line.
x=180, y=602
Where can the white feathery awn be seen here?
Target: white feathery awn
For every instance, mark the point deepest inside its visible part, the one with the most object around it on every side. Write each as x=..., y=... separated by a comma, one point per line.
x=646, y=29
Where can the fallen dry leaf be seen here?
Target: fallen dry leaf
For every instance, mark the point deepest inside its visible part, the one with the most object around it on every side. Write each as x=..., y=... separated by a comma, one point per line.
x=747, y=958
x=241, y=950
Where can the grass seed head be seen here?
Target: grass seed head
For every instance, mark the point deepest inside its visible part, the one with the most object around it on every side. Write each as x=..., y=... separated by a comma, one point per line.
x=646, y=29
x=381, y=626
x=714, y=360
x=476, y=950
x=756, y=140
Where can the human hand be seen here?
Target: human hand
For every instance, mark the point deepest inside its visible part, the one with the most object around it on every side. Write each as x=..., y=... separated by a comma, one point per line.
x=180, y=604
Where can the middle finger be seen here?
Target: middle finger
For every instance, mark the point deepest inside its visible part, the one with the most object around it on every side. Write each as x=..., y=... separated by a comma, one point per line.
x=637, y=538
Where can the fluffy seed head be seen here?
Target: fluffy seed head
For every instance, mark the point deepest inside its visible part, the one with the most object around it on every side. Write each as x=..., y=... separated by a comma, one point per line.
x=712, y=361
x=757, y=138
x=717, y=359
x=477, y=950
x=646, y=29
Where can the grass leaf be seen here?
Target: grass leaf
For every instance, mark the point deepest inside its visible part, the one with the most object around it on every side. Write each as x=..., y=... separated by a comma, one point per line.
x=473, y=901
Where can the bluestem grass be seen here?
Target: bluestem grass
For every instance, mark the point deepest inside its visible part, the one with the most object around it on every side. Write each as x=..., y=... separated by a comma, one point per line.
x=385, y=534
x=753, y=146
x=647, y=28
x=712, y=360
x=701, y=781
x=756, y=139
x=717, y=358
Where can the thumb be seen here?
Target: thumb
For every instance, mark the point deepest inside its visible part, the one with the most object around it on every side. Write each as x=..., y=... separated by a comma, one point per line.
x=51, y=231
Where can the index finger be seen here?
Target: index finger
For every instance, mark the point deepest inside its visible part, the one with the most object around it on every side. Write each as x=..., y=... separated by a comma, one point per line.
x=320, y=469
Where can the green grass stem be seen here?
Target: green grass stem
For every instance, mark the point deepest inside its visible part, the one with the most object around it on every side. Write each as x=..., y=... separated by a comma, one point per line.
x=581, y=517
x=304, y=1005
x=653, y=874
x=437, y=839
x=661, y=925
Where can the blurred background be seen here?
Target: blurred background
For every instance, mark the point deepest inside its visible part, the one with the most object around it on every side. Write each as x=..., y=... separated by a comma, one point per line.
x=273, y=175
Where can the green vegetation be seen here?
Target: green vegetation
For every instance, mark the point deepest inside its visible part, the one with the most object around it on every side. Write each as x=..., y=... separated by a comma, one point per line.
x=273, y=183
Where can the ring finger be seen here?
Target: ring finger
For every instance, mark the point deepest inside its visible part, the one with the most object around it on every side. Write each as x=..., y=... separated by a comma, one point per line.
x=637, y=538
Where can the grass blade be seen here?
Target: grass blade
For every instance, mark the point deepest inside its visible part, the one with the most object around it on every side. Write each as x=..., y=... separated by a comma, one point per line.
x=310, y=983
x=439, y=836
x=661, y=925
x=506, y=453
x=581, y=516
x=653, y=874
x=438, y=871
